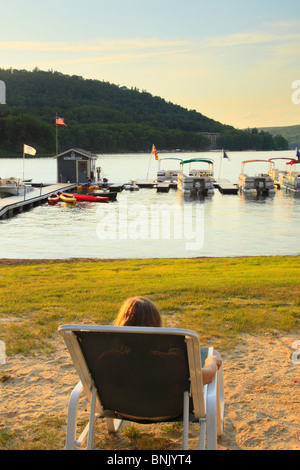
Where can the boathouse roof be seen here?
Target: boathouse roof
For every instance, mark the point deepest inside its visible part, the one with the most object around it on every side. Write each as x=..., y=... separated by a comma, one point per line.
x=84, y=153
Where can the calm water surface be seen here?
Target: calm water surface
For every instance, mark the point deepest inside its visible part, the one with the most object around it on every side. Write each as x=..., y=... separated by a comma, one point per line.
x=147, y=224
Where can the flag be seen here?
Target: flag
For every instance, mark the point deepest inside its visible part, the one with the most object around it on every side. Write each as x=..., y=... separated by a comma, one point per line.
x=225, y=155
x=154, y=152
x=29, y=150
x=297, y=153
x=60, y=121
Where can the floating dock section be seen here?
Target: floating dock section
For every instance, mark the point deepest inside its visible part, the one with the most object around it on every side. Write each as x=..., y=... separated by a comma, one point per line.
x=146, y=183
x=13, y=205
x=163, y=187
x=225, y=187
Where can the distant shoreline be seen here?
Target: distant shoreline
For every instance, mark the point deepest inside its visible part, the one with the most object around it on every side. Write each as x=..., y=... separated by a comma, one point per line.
x=129, y=152
x=16, y=261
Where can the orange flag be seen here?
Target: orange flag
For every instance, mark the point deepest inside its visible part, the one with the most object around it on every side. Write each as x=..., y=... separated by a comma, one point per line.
x=154, y=152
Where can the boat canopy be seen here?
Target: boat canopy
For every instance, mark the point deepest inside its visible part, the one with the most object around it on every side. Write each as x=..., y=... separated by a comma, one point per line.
x=170, y=158
x=278, y=158
x=249, y=161
x=203, y=160
x=252, y=161
x=293, y=162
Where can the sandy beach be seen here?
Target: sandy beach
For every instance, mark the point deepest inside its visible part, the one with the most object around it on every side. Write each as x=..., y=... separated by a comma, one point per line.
x=262, y=392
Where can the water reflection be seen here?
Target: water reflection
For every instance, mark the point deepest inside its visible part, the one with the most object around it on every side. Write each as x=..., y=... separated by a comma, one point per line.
x=148, y=224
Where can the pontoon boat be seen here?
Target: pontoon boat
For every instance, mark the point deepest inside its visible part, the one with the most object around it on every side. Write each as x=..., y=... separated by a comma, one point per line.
x=197, y=182
x=260, y=184
x=291, y=180
x=13, y=187
x=170, y=176
x=276, y=173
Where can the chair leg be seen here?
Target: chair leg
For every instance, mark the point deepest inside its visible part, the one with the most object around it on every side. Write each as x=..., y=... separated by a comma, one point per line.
x=202, y=423
x=211, y=415
x=220, y=402
x=185, y=432
x=90, y=444
x=113, y=424
x=72, y=417
x=71, y=442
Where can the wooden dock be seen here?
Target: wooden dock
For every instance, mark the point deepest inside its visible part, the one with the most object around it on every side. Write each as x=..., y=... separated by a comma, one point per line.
x=13, y=205
x=146, y=183
x=156, y=184
x=226, y=187
x=163, y=187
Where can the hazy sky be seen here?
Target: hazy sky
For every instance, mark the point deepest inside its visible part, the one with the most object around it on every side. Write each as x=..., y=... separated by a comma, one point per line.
x=234, y=61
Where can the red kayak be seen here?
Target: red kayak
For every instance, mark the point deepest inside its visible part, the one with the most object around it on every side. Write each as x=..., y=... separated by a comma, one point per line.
x=53, y=199
x=90, y=198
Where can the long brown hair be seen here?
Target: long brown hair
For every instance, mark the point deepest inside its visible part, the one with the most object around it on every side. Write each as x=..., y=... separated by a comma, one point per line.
x=138, y=311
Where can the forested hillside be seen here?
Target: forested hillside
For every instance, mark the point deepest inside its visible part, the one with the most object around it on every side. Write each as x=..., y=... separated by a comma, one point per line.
x=290, y=133
x=104, y=117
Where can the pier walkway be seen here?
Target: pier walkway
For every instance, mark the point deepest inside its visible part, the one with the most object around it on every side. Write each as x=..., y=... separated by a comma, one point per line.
x=13, y=205
x=225, y=187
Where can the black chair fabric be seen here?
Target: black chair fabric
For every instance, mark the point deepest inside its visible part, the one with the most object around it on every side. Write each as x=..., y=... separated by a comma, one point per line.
x=141, y=375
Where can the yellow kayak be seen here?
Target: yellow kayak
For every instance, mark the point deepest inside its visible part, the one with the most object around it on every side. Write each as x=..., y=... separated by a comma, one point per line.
x=92, y=188
x=69, y=198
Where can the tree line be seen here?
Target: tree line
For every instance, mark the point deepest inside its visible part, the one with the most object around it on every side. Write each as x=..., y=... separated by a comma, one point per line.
x=106, y=118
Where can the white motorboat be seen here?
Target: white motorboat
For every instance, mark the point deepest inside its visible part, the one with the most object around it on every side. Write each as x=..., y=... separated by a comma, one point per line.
x=13, y=187
x=170, y=176
x=276, y=173
x=259, y=184
x=197, y=182
x=291, y=180
x=131, y=186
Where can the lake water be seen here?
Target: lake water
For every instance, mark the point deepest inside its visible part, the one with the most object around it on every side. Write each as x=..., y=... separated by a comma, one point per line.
x=147, y=224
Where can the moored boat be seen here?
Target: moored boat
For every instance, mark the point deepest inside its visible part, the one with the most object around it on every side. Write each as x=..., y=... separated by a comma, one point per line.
x=259, y=184
x=89, y=198
x=82, y=187
x=53, y=199
x=14, y=187
x=69, y=198
x=170, y=176
x=291, y=180
x=276, y=173
x=131, y=186
x=197, y=182
x=111, y=195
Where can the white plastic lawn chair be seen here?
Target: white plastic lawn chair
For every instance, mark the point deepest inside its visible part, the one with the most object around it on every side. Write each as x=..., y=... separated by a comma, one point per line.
x=143, y=375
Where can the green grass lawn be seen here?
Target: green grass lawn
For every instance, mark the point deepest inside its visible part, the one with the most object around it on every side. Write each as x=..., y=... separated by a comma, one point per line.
x=217, y=297
x=220, y=298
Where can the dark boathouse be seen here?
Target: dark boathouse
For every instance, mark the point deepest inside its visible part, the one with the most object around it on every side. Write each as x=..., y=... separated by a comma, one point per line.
x=75, y=166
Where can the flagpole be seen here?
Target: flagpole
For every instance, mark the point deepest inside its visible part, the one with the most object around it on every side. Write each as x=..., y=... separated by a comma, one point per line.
x=56, y=134
x=23, y=161
x=149, y=164
x=221, y=162
x=150, y=161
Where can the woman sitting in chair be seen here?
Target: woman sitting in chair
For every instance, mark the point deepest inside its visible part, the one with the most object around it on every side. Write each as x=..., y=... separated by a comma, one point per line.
x=139, y=311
